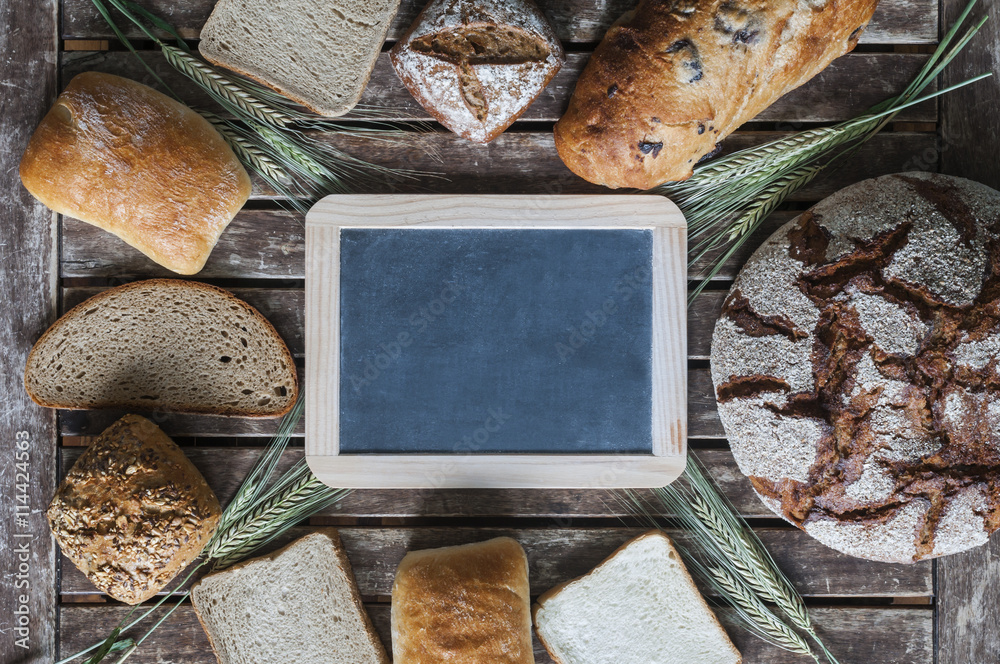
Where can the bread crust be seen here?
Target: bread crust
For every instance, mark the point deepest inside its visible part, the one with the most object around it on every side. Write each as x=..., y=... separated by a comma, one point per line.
x=133, y=511
x=855, y=368
x=172, y=283
x=670, y=80
x=464, y=604
x=552, y=592
x=334, y=536
x=436, y=83
x=132, y=161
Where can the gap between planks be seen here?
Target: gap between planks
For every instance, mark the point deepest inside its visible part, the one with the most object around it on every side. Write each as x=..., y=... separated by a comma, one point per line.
x=575, y=21
x=882, y=635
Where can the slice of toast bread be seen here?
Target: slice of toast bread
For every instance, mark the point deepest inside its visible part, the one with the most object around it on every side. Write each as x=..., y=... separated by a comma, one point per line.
x=639, y=605
x=299, y=605
x=319, y=53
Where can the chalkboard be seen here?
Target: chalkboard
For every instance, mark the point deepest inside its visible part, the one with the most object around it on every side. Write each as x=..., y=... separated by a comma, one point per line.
x=457, y=341
x=495, y=340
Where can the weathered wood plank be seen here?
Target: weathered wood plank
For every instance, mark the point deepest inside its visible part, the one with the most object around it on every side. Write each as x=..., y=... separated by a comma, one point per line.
x=969, y=583
x=557, y=554
x=844, y=89
x=259, y=244
x=28, y=71
x=703, y=418
x=224, y=468
x=970, y=132
x=270, y=244
x=895, y=22
x=502, y=167
x=285, y=308
x=855, y=634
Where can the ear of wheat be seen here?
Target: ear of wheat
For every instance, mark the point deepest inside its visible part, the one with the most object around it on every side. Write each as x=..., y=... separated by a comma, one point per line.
x=271, y=137
x=728, y=557
x=264, y=507
x=728, y=198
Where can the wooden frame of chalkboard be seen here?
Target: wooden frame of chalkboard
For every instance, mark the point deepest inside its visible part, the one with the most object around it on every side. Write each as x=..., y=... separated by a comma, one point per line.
x=665, y=458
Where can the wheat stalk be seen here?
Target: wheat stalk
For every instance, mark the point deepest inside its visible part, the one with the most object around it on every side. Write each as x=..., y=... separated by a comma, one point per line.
x=221, y=86
x=767, y=624
x=728, y=556
x=263, y=131
x=729, y=197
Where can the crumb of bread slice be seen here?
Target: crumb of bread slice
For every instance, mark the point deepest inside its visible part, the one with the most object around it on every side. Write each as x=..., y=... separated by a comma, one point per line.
x=319, y=53
x=164, y=345
x=299, y=605
x=639, y=605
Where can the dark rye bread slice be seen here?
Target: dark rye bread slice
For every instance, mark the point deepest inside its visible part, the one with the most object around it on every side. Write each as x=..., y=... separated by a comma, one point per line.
x=857, y=368
x=164, y=345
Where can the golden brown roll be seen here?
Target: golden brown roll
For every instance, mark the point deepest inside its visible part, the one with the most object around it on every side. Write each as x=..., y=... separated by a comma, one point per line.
x=121, y=156
x=464, y=604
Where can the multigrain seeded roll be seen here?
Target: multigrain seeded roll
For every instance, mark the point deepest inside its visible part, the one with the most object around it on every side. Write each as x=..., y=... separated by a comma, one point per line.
x=133, y=511
x=856, y=368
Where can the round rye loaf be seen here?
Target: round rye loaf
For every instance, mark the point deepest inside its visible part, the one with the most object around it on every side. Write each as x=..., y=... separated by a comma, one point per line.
x=856, y=368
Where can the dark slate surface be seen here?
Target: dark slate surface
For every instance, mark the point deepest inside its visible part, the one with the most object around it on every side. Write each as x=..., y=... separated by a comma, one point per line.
x=495, y=340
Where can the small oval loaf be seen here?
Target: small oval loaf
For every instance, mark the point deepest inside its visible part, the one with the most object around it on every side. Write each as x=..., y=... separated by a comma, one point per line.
x=132, y=161
x=674, y=77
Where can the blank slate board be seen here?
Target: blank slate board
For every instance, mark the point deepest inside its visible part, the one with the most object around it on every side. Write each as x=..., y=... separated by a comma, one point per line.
x=495, y=341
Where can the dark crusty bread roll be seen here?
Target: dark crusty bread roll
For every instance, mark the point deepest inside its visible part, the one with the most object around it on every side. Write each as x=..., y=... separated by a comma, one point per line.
x=674, y=77
x=466, y=604
x=125, y=158
x=857, y=368
x=133, y=511
x=476, y=65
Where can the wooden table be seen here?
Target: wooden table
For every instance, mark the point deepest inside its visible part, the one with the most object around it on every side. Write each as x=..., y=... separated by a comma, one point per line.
x=944, y=611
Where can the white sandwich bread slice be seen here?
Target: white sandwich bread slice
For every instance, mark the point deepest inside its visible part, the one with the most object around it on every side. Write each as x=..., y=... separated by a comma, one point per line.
x=639, y=606
x=319, y=53
x=299, y=605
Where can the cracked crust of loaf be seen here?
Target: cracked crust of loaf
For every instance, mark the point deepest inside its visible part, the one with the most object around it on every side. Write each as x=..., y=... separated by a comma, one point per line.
x=133, y=511
x=887, y=294
x=478, y=96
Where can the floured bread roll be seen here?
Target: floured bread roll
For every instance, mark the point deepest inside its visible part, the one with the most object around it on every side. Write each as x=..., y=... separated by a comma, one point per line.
x=856, y=368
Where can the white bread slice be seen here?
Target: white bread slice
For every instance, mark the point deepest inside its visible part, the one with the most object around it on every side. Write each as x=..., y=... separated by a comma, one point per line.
x=638, y=606
x=299, y=605
x=319, y=53
x=164, y=345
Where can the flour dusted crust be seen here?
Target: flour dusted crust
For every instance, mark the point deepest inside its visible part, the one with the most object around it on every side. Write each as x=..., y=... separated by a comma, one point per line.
x=476, y=65
x=857, y=368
